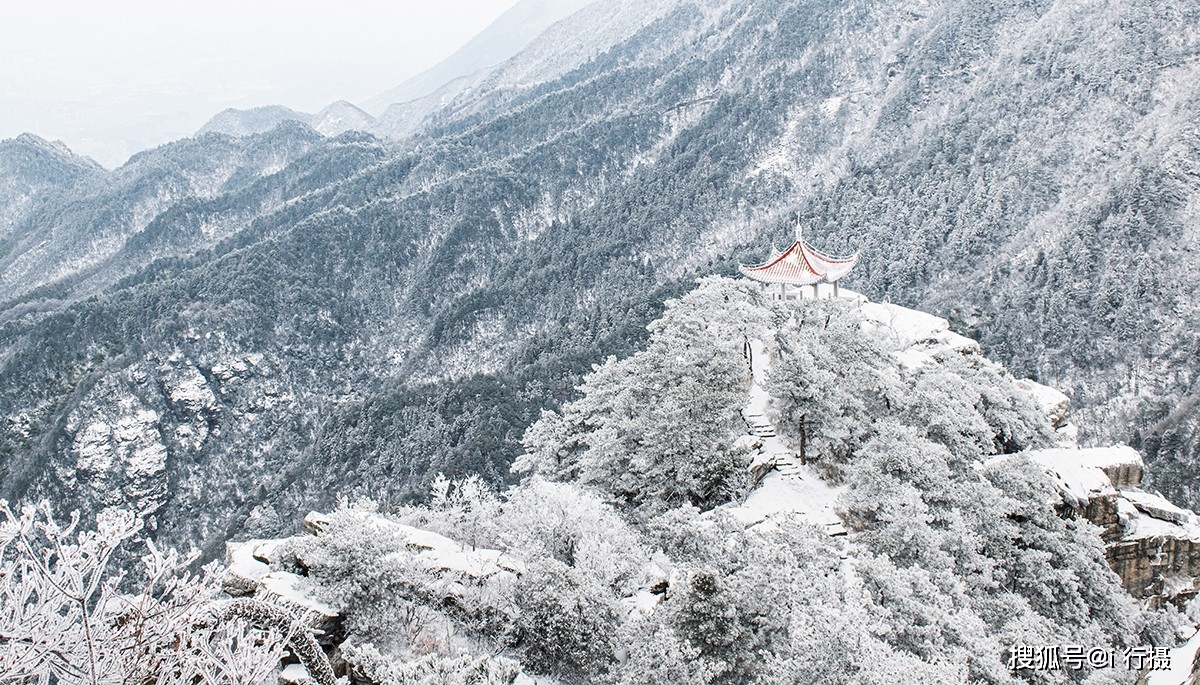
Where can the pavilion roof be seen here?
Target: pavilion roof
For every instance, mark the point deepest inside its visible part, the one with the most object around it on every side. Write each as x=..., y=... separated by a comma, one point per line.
x=800, y=264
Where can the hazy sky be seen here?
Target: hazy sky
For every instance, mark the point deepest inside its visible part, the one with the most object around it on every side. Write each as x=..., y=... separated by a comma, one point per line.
x=110, y=77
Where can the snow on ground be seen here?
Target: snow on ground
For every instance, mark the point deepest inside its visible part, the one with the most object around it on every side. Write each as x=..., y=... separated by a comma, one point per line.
x=919, y=337
x=790, y=487
x=643, y=602
x=802, y=493
x=1082, y=474
x=1158, y=506
x=795, y=488
x=912, y=328
x=1181, y=664
x=1081, y=469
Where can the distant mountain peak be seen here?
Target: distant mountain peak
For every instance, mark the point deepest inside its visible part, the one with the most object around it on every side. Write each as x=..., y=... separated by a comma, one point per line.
x=245, y=122
x=559, y=47
x=56, y=149
x=339, y=117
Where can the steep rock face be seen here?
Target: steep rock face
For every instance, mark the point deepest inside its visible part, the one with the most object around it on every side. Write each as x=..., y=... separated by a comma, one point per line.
x=119, y=451
x=1153, y=545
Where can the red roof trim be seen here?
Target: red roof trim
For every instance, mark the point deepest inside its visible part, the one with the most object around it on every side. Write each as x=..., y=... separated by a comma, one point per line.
x=801, y=265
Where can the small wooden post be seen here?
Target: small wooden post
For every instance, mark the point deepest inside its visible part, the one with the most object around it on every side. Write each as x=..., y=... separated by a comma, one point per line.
x=803, y=440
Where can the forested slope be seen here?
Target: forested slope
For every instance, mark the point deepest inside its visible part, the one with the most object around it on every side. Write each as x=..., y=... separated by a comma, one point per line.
x=227, y=330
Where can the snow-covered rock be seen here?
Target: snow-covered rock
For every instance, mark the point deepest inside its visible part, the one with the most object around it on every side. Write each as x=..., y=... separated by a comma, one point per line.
x=188, y=390
x=1152, y=544
x=297, y=591
x=437, y=552
x=294, y=674
x=920, y=337
x=118, y=450
x=248, y=573
x=1052, y=401
x=1083, y=474
x=244, y=563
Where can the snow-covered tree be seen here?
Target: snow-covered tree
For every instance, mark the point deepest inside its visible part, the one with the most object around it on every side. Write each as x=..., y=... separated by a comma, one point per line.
x=570, y=524
x=67, y=614
x=831, y=381
x=370, y=665
x=566, y=624
x=658, y=428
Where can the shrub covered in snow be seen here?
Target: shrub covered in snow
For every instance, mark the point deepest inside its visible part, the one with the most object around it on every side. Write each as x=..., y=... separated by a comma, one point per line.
x=66, y=616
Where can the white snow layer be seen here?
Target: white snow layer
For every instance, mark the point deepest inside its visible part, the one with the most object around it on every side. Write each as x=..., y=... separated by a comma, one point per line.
x=440, y=552
x=297, y=590
x=294, y=674
x=1085, y=473
x=1056, y=404
x=1181, y=665
x=790, y=487
x=802, y=493
x=247, y=561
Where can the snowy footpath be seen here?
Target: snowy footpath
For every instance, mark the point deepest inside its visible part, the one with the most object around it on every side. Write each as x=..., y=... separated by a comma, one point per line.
x=789, y=486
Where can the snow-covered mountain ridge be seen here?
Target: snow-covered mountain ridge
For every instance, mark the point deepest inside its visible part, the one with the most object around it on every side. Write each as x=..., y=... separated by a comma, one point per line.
x=334, y=119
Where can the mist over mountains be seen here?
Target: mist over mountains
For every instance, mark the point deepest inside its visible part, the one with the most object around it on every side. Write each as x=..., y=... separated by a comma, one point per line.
x=503, y=38
x=231, y=328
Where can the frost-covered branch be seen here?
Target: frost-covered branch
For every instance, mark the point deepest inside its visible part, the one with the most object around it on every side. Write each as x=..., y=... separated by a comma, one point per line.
x=64, y=617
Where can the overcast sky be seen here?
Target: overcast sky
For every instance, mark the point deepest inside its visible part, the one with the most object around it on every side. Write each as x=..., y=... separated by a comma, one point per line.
x=109, y=77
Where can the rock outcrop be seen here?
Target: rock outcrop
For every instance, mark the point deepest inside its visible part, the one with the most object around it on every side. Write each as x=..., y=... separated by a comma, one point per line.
x=256, y=572
x=1153, y=545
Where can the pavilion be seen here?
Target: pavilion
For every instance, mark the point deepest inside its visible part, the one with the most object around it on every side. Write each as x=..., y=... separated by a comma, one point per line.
x=800, y=271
